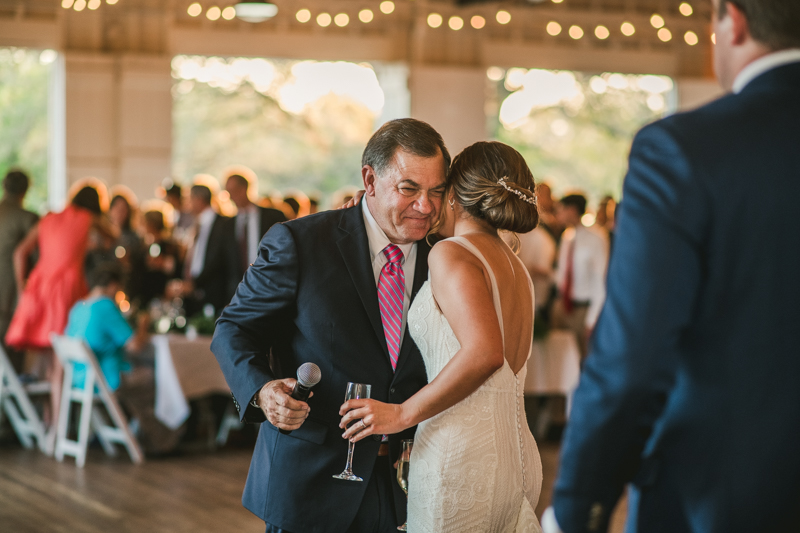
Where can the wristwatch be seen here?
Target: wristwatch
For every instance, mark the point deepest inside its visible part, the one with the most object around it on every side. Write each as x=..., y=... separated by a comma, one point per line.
x=254, y=401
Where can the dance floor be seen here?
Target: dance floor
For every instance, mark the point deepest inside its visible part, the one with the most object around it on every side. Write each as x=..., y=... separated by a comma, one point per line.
x=192, y=493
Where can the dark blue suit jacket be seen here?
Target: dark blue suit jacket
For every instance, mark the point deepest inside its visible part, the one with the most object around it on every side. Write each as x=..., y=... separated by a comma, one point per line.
x=311, y=296
x=692, y=389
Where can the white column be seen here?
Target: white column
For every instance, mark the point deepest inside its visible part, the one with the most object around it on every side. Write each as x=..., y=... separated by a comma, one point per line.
x=145, y=123
x=56, y=137
x=452, y=100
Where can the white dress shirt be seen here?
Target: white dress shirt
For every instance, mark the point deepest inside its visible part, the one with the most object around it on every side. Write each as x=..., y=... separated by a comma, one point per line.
x=590, y=261
x=205, y=221
x=377, y=242
x=763, y=65
x=251, y=216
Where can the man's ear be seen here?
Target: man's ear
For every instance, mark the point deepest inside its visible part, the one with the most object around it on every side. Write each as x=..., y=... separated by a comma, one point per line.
x=368, y=176
x=739, y=24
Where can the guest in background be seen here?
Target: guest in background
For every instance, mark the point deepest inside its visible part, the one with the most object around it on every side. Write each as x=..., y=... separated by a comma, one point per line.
x=162, y=258
x=298, y=202
x=582, y=263
x=547, y=214
x=15, y=223
x=182, y=218
x=313, y=203
x=128, y=248
x=57, y=281
x=211, y=266
x=124, y=356
x=252, y=221
x=604, y=221
x=537, y=250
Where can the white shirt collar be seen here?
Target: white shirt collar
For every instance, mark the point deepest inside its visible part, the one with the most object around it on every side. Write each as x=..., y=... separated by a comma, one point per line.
x=763, y=65
x=377, y=237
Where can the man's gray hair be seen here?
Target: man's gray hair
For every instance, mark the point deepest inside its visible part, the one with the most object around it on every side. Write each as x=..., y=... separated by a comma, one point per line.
x=408, y=134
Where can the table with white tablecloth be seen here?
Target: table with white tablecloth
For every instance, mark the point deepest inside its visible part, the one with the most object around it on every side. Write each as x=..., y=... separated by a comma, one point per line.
x=185, y=369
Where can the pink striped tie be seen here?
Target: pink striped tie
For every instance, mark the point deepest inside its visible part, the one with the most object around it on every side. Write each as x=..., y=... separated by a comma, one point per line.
x=391, y=287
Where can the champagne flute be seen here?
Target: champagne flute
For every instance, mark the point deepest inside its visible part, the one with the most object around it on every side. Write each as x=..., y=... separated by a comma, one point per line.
x=402, y=471
x=355, y=391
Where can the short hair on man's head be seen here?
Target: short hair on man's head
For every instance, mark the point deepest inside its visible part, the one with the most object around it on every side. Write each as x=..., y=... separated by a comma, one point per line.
x=16, y=183
x=239, y=180
x=407, y=134
x=202, y=193
x=775, y=23
x=578, y=201
x=104, y=275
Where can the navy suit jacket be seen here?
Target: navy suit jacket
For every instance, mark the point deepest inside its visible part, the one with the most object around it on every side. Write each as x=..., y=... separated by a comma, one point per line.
x=692, y=388
x=311, y=297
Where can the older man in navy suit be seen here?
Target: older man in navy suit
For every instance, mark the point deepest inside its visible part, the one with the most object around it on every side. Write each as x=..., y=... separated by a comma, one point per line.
x=692, y=390
x=312, y=296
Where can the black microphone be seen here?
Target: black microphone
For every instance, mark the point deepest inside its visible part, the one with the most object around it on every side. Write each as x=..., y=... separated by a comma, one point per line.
x=308, y=375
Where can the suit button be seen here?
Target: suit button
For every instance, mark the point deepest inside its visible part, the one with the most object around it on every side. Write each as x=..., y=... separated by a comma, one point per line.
x=391, y=390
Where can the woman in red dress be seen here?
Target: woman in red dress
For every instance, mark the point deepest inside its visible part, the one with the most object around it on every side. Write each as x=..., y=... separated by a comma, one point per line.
x=56, y=282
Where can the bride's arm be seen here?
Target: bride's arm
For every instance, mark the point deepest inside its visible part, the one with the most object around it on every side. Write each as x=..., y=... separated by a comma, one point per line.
x=463, y=294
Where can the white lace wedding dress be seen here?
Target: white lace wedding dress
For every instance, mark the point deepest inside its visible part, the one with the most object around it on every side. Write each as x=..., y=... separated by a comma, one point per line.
x=474, y=467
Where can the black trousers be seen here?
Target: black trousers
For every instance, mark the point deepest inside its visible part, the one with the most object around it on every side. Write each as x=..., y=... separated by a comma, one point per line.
x=377, y=496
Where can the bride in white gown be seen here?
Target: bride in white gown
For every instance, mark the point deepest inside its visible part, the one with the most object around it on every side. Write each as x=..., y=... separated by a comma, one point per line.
x=475, y=465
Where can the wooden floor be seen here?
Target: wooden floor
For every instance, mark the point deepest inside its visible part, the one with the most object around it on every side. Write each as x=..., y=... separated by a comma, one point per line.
x=192, y=493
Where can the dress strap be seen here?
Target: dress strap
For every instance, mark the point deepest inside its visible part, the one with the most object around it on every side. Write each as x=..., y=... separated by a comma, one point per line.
x=463, y=241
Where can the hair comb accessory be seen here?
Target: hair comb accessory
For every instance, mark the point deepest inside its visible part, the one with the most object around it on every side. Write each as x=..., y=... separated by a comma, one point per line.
x=524, y=197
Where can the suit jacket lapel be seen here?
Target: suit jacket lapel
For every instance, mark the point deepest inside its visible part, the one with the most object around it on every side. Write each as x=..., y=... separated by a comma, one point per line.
x=354, y=247
x=420, y=276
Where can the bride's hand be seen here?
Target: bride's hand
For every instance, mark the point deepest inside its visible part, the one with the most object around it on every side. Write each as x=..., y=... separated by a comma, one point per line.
x=378, y=419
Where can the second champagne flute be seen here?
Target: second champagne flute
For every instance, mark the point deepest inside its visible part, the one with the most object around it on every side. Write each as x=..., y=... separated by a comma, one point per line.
x=355, y=391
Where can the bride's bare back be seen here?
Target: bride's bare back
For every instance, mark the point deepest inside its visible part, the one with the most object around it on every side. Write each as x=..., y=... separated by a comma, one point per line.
x=471, y=302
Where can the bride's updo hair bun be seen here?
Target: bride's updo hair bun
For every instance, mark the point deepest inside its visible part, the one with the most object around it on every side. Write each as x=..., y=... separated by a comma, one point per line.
x=492, y=182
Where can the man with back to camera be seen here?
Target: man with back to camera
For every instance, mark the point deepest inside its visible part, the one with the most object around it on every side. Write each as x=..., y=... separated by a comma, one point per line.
x=312, y=296
x=15, y=223
x=692, y=390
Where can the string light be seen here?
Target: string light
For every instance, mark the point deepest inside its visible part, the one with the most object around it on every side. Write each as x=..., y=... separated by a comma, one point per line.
x=455, y=23
x=664, y=34
x=387, y=7
x=557, y=1
x=365, y=16
x=324, y=20
x=341, y=20
x=477, y=22
x=503, y=17
x=111, y=2
x=627, y=29
x=194, y=9
x=713, y=38
x=434, y=20
x=303, y=16
x=213, y=13
x=576, y=32
x=66, y=4
x=229, y=13
x=553, y=28
x=93, y=4
x=685, y=9
x=601, y=32
x=80, y=5
x=691, y=38
x=657, y=21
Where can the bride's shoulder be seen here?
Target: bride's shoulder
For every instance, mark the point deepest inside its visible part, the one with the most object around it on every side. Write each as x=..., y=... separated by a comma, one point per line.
x=448, y=256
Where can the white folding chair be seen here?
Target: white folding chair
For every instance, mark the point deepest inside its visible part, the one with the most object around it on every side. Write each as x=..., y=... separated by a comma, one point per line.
x=18, y=407
x=71, y=351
